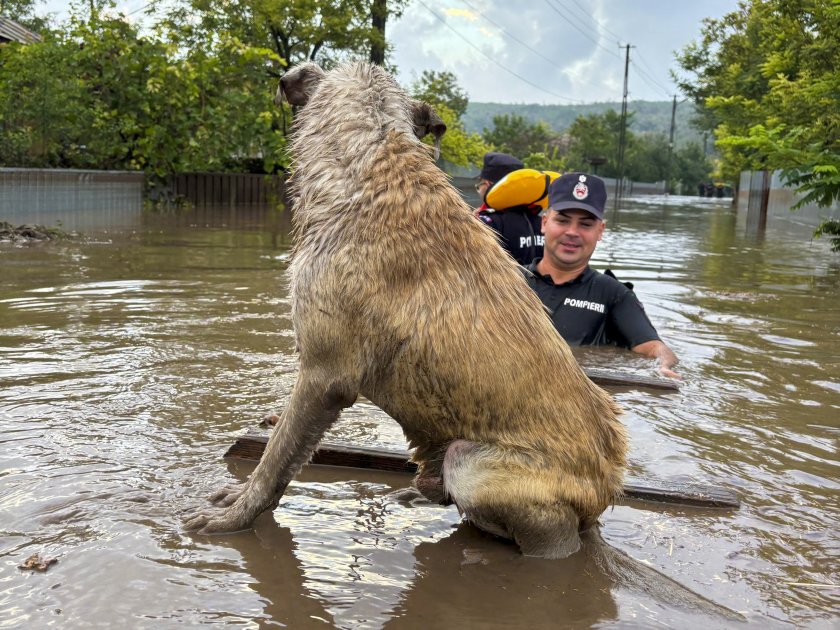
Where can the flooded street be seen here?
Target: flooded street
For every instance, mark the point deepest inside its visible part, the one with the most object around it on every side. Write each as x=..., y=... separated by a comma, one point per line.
x=130, y=362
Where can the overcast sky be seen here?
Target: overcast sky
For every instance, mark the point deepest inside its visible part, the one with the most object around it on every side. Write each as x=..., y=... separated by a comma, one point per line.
x=539, y=51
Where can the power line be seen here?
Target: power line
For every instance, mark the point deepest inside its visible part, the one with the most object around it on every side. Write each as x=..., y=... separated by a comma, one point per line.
x=652, y=71
x=143, y=8
x=506, y=69
x=649, y=80
x=585, y=21
x=581, y=31
x=645, y=63
x=511, y=35
x=553, y=62
x=585, y=11
x=589, y=18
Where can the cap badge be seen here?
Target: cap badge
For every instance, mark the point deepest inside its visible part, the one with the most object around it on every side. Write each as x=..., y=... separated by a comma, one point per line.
x=581, y=190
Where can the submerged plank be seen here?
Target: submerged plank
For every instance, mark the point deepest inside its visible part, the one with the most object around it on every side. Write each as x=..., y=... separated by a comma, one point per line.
x=251, y=446
x=609, y=378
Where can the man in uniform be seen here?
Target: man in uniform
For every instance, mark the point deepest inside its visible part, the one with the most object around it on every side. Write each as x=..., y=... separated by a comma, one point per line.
x=518, y=226
x=588, y=307
x=495, y=167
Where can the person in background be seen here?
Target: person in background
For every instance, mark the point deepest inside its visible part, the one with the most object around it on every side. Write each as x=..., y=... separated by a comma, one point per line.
x=518, y=226
x=588, y=307
x=496, y=166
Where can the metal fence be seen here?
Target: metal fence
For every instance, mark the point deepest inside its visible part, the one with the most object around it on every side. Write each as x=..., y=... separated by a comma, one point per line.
x=74, y=199
x=100, y=200
x=764, y=199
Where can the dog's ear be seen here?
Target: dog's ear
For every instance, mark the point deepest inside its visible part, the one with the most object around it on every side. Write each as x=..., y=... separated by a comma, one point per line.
x=298, y=84
x=426, y=121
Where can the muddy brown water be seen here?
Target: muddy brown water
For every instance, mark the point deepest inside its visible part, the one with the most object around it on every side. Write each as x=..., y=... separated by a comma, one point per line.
x=129, y=362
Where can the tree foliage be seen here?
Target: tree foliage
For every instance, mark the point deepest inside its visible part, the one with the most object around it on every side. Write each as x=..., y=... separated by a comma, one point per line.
x=830, y=228
x=441, y=90
x=766, y=76
x=593, y=136
x=325, y=31
x=596, y=136
x=101, y=95
x=647, y=157
x=458, y=145
x=513, y=134
x=194, y=93
x=690, y=166
x=535, y=143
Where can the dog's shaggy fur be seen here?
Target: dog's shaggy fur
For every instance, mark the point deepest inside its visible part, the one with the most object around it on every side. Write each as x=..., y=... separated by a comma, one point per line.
x=400, y=295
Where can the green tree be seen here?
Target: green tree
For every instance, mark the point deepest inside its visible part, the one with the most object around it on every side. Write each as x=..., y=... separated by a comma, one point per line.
x=458, y=145
x=100, y=95
x=23, y=12
x=513, y=134
x=690, y=166
x=596, y=135
x=647, y=158
x=766, y=77
x=549, y=160
x=441, y=88
x=326, y=31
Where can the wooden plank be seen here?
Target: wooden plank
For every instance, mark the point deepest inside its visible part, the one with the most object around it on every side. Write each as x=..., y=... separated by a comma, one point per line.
x=609, y=378
x=251, y=446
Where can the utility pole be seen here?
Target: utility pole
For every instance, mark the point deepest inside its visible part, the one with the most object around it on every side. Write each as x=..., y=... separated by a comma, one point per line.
x=671, y=144
x=619, y=186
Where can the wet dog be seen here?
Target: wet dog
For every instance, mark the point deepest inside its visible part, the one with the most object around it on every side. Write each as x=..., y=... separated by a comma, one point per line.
x=399, y=294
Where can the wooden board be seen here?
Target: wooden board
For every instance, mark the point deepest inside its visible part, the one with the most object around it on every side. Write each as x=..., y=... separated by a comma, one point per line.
x=251, y=446
x=609, y=378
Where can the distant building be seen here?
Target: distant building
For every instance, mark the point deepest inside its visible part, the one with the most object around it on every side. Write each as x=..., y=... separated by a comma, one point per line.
x=11, y=31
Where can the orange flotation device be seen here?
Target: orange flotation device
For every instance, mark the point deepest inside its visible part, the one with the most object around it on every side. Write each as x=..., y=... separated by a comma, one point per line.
x=525, y=187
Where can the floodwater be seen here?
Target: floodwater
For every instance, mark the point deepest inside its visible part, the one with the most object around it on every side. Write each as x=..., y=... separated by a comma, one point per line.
x=130, y=362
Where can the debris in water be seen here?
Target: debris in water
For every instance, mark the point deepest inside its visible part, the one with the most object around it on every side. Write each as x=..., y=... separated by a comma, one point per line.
x=36, y=563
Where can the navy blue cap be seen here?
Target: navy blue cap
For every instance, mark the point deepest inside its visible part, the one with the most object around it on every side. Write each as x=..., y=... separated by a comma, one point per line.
x=497, y=165
x=579, y=191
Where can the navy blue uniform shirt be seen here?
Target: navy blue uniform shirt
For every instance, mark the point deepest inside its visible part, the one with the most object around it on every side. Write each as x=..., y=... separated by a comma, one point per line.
x=593, y=309
x=521, y=231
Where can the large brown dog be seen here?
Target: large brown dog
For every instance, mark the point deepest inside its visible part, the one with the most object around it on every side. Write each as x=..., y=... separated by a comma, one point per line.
x=400, y=295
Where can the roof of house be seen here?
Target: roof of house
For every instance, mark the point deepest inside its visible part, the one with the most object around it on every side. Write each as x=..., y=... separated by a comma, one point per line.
x=13, y=32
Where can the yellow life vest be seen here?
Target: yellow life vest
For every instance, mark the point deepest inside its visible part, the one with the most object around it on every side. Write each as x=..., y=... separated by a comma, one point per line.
x=525, y=187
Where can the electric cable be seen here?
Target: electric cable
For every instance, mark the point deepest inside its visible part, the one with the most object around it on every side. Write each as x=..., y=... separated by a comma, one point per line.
x=505, y=68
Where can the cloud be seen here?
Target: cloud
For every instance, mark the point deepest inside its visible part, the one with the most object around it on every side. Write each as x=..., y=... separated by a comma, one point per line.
x=472, y=17
x=499, y=49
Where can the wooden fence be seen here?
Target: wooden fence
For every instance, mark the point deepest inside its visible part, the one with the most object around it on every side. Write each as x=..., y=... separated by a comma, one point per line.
x=234, y=189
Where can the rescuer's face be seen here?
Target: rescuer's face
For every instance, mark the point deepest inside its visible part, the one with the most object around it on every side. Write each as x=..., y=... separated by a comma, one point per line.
x=570, y=237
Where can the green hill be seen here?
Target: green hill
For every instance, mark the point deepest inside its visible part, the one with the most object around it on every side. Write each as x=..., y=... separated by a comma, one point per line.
x=649, y=116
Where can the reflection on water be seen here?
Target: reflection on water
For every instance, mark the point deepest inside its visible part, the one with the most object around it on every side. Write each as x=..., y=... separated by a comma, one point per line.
x=129, y=362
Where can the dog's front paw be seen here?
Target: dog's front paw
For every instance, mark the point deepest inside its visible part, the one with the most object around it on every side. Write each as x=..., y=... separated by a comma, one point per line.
x=215, y=521
x=228, y=495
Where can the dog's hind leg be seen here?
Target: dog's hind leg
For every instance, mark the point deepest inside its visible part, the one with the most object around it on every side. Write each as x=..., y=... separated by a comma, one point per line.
x=484, y=482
